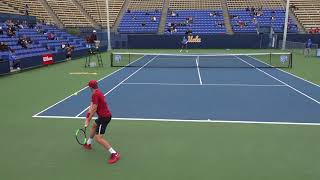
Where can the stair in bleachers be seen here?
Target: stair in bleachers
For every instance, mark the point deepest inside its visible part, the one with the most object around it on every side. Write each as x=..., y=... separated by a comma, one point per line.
x=51, y=13
x=85, y=13
x=163, y=18
x=226, y=17
x=120, y=15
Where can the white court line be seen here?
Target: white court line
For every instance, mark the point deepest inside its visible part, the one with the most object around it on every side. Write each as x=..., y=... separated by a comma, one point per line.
x=287, y=72
x=115, y=87
x=83, y=89
x=197, y=62
x=193, y=120
x=279, y=80
x=178, y=84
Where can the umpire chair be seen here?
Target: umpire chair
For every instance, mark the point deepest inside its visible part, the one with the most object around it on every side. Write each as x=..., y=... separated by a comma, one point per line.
x=94, y=51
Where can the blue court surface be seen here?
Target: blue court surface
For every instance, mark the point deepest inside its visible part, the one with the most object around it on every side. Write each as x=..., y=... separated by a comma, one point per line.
x=236, y=95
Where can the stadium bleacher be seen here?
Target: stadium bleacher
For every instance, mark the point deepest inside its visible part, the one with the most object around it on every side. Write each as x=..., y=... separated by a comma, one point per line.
x=140, y=22
x=264, y=20
x=40, y=44
x=307, y=12
x=204, y=22
x=240, y=12
x=138, y=18
x=97, y=10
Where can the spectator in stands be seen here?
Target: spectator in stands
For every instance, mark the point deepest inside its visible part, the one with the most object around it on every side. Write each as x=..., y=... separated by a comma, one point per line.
x=188, y=32
x=308, y=48
x=241, y=24
x=51, y=36
x=11, y=31
x=23, y=42
x=147, y=13
x=234, y=17
x=19, y=25
x=213, y=14
x=254, y=21
x=26, y=10
x=154, y=19
x=253, y=9
x=248, y=8
x=1, y=31
x=143, y=24
x=220, y=24
x=128, y=11
x=272, y=19
x=173, y=14
x=29, y=40
x=63, y=45
x=4, y=46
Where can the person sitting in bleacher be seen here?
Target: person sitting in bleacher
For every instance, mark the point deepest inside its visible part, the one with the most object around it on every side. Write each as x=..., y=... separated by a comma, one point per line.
x=188, y=32
x=153, y=19
x=11, y=31
x=1, y=31
x=51, y=36
x=23, y=42
x=4, y=47
x=241, y=24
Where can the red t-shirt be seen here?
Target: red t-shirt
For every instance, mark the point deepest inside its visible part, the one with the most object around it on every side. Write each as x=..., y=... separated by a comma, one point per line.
x=98, y=99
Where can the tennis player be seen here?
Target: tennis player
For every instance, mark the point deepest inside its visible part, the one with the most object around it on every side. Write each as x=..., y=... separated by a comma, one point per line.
x=184, y=44
x=99, y=105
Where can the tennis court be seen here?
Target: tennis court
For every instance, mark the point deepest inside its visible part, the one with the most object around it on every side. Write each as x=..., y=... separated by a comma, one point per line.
x=242, y=88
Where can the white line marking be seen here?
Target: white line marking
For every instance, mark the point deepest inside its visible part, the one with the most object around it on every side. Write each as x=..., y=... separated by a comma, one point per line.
x=193, y=120
x=177, y=84
x=83, y=89
x=288, y=73
x=279, y=81
x=197, y=62
x=115, y=87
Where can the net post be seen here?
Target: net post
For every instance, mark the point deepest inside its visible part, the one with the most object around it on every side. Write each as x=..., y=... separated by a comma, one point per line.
x=270, y=57
x=291, y=60
x=129, y=58
x=111, y=59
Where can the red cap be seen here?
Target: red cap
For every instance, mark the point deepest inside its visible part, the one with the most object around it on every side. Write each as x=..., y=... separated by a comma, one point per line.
x=93, y=84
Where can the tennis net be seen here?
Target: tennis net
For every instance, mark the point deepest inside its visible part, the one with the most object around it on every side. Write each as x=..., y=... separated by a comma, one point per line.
x=157, y=60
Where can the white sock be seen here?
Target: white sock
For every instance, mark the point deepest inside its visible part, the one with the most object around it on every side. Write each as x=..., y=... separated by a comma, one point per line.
x=89, y=141
x=112, y=151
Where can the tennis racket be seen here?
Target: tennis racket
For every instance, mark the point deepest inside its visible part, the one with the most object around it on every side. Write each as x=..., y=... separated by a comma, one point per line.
x=81, y=136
